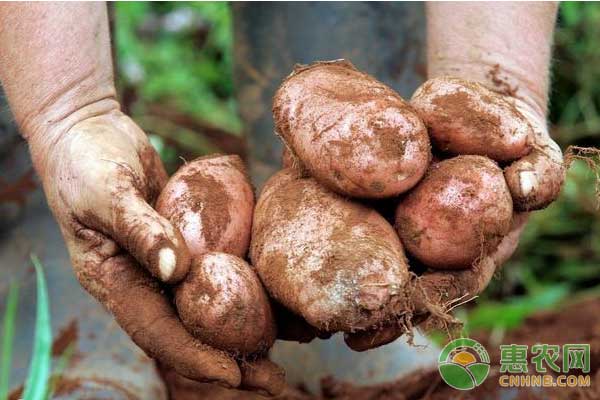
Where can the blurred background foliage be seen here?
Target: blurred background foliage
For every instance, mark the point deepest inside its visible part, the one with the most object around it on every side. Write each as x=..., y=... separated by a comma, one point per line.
x=174, y=64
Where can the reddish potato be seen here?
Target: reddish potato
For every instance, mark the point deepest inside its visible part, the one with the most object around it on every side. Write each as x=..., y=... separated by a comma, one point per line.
x=465, y=117
x=458, y=212
x=211, y=201
x=222, y=302
x=354, y=134
x=336, y=263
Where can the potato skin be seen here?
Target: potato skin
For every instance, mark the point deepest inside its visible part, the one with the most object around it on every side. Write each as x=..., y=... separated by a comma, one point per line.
x=465, y=117
x=222, y=302
x=334, y=262
x=211, y=201
x=459, y=211
x=354, y=134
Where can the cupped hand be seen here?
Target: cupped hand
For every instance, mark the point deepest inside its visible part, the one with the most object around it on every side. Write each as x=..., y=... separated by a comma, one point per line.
x=101, y=179
x=466, y=117
x=534, y=178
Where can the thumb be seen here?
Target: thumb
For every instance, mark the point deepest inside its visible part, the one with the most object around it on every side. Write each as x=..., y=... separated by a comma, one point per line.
x=149, y=237
x=535, y=180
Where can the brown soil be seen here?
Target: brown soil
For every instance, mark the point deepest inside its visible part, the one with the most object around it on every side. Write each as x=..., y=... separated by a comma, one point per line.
x=576, y=323
x=65, y=338
x=501, y=82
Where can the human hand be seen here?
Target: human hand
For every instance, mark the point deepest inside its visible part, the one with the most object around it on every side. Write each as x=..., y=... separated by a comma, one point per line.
x=101, y=177
x=465, y=117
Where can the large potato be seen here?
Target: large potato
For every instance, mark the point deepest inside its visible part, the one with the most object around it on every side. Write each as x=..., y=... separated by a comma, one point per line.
x=337, y=263
x=211, y=201
x=353, y=133
x=456, y=214
x=465, y=117
x=222, y=302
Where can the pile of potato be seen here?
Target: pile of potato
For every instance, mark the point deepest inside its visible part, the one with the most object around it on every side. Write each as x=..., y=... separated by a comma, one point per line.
x=318, y=240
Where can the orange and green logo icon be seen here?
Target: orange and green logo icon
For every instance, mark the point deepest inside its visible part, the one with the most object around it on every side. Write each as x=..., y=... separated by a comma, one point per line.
x=464, y=364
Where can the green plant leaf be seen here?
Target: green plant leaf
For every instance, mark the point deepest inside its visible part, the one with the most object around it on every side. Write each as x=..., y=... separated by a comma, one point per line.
x=7, y=337
x=36, y=386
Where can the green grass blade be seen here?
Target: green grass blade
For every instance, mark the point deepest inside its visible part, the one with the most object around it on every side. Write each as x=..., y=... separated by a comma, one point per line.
x=39, y=371
x=7, y=337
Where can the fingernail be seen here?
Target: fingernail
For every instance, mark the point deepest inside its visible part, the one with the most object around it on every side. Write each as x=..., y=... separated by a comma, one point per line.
x=528, y=181
x=166, y=262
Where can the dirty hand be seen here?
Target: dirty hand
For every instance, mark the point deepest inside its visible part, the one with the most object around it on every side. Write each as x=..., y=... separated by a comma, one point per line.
x=506, y=47
x=101, y=178
x=534, y=180
x=469, y=117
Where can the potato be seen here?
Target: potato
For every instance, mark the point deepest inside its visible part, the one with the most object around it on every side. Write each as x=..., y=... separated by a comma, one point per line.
x=456, y=214
x=222, y=302
x=465, y=117
x=336, y=263
x=211, y=201
x=354, y=134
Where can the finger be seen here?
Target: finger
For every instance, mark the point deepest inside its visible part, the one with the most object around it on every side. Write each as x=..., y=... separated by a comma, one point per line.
x=440, y=290
x=292, y=327
x=262, y=376
x=139, y=307
x=535, y=180
x=149, y=237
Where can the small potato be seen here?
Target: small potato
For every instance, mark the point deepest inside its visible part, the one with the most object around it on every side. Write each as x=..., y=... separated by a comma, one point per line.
x=222, y=302
x=354, y=134
x=211, y=201
x=456, y=214
x=336, y=263
x=465, y=117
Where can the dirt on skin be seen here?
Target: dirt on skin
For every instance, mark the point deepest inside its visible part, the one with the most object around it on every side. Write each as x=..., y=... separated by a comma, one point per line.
x=501, y=82
x=222, y=302
x=464, y=117
x=354, y=134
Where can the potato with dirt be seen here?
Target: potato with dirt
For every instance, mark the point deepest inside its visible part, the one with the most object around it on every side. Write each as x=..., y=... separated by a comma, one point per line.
x=222, y=302
x=336, y=263
x=459, y=211
x=211, y=201
x=354, y=134
x=465, y=117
